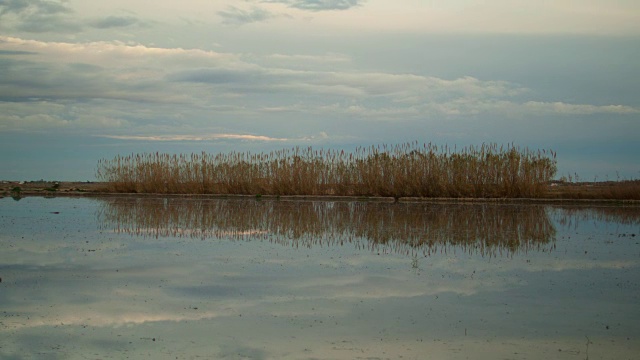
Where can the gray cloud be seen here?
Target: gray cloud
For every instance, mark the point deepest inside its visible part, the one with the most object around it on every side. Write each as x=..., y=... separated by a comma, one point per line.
x=152, y=95
x=115, y=21
x=8, y=6
x=237, y=16
x=41, y=24
x=16, y=52
x=202, y=80
x=32, y=7
x=38, y=16
x=219, y=76
x=320, y=5
x=27, y=80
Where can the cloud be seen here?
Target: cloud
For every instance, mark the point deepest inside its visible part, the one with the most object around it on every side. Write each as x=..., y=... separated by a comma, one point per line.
x=400, y=88
x=37, y=121
x=114, y=70
x=237, y=16
x=39, y=114
x=319, y=5
x=38, y=16
x=16, y=52
x=577, y=109
x=221, y=76
x=208, y=137
x=156, y=92
x=104, y=53
x=40, y=7
x=328, y=58
x=96, y=70
x=115, y=22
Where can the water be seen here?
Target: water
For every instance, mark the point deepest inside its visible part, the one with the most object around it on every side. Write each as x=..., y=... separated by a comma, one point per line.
x=243, y=279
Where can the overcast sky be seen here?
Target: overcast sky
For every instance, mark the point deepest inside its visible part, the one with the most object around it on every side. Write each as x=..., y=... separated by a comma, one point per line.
x=84, y=80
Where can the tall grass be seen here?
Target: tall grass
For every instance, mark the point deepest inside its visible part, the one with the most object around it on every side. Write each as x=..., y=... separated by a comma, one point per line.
x=403, y=170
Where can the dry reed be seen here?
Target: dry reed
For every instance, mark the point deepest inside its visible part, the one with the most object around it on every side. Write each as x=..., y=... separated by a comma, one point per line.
x=402, y=170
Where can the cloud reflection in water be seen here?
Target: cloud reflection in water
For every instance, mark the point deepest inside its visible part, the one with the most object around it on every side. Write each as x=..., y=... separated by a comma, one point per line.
x=315, y=279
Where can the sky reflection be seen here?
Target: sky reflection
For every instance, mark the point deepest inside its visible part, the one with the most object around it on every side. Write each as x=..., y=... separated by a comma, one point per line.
x=88, y=283
x=404, y=228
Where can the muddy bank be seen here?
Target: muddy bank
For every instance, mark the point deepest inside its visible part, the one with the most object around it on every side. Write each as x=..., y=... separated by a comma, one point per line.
x=557, y=192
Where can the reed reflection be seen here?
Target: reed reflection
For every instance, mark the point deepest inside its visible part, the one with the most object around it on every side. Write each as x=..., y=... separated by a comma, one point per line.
x=572, y=216
x=411, y=228
x=625, y=215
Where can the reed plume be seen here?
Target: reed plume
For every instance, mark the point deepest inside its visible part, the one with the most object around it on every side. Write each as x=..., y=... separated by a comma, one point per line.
x=404, y=170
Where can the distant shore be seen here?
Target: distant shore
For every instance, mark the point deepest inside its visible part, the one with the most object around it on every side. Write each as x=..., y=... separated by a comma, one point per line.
x=557, y=192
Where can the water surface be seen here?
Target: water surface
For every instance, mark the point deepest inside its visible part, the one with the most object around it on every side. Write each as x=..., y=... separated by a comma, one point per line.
x=244, y=279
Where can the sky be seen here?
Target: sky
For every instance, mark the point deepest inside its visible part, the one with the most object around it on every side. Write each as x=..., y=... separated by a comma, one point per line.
x=86, y=80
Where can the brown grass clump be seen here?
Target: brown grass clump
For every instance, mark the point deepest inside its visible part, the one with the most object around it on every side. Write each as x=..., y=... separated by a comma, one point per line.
x=402, y=170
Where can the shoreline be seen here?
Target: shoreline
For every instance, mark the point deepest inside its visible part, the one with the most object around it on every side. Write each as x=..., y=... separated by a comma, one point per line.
x=98, y=189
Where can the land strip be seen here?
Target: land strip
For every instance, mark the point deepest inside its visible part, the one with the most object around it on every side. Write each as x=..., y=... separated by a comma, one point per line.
x=627, y=192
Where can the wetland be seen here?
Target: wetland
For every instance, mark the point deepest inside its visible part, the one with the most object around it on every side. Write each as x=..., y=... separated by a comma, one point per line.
x=169, y=277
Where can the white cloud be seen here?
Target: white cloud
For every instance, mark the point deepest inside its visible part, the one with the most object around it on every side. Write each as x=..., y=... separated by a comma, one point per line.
x=577, y=109
x=114, y=53
x=207, y=137
x=157, y=92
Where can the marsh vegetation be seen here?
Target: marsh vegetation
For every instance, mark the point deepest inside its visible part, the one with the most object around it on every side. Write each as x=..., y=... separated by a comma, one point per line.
x=405, y=170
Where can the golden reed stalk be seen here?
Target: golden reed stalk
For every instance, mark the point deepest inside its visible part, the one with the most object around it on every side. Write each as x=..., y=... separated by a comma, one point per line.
x=404, y=170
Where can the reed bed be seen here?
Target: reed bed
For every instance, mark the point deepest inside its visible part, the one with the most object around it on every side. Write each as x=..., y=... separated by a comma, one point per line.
x=411, y=169
x=408, y=228
x=612, y=190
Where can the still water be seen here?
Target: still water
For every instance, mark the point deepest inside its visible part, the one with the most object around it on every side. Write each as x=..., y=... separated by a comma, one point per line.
x=115, y=278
